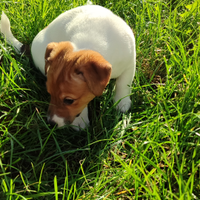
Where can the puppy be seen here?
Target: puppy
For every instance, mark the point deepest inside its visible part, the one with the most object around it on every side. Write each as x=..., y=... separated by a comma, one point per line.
x=79, y=52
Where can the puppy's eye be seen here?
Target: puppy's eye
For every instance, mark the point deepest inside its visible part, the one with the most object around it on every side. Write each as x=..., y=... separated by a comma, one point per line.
x=68, y=101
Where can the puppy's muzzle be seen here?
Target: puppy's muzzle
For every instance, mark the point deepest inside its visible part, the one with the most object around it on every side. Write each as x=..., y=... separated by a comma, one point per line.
x=50, y=121
x=57, y=121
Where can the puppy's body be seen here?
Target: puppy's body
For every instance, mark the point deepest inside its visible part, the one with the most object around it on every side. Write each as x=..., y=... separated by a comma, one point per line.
x=81, y=68
x=90, y=27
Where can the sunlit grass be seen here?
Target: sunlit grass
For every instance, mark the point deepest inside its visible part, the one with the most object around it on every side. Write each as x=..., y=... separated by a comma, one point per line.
x=151, y=152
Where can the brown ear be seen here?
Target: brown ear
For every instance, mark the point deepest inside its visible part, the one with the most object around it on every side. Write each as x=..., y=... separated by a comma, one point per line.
x=96, y=74
x=48, y=55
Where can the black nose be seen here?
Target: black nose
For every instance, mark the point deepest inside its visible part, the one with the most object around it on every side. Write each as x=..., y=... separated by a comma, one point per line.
x=52, y=123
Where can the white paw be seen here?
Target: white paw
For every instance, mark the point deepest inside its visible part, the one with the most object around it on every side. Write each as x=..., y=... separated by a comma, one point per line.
x=124, y=104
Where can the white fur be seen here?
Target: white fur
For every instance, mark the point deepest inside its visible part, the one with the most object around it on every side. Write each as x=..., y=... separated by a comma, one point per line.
x=82, y=121
x=59, y=120
x=89, y=27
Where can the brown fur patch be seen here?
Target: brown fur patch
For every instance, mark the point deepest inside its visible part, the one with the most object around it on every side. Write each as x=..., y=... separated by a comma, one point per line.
x=80, y=76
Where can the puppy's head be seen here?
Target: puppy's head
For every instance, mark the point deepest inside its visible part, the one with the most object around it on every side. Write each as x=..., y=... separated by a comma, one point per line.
x=74, y=78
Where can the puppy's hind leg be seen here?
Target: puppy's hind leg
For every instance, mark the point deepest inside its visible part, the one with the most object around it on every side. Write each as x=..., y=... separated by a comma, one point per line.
x=123, y=89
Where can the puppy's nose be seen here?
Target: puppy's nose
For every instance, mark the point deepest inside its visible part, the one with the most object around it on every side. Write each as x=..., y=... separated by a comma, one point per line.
x=52, y=123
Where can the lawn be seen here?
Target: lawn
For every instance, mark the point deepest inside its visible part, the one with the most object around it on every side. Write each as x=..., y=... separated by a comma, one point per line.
x=150, y=152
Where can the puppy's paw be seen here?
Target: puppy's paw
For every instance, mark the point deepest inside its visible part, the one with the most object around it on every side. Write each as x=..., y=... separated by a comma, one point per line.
x=124, y=105
x=80, y=123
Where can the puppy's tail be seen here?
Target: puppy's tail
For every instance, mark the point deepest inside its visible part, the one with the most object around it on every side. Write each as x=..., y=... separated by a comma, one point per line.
x=6, y=32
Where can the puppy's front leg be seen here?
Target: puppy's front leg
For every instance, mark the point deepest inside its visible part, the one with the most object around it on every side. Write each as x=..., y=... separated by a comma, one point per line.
x=123, y=89
x=82, y=121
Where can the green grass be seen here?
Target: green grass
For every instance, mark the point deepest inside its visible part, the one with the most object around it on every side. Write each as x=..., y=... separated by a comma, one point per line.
x=151, y=152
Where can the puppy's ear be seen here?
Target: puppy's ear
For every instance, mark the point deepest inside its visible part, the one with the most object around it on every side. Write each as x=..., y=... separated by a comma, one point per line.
x=96, y=74
x=49, y=55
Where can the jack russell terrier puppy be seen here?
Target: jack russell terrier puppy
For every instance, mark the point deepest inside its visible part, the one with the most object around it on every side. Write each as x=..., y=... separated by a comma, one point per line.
x=79, y=52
